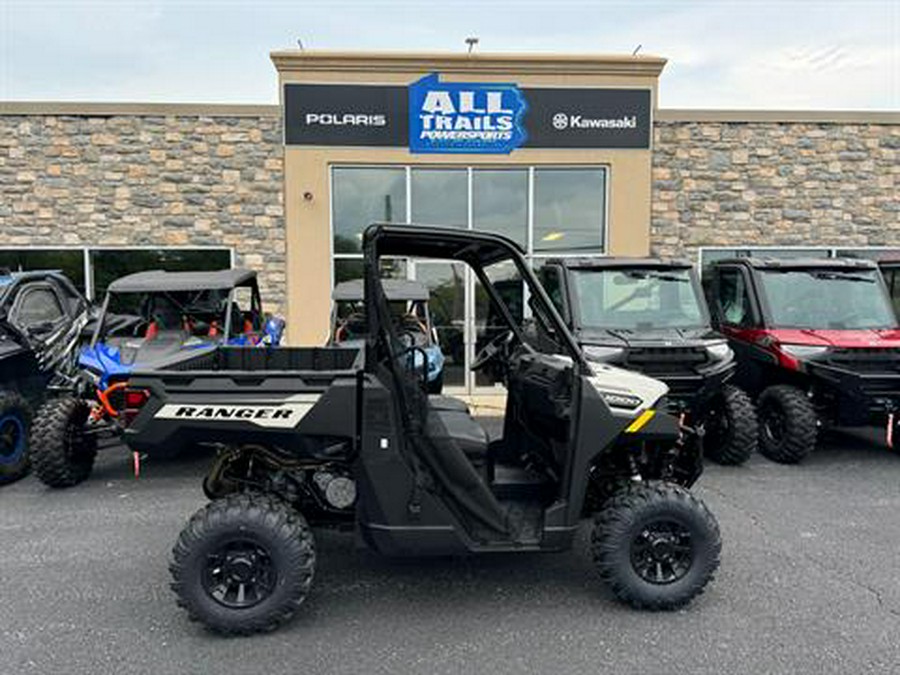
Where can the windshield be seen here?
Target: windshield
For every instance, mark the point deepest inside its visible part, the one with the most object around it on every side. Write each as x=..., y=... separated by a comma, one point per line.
x=826, y=299
x=637, y=299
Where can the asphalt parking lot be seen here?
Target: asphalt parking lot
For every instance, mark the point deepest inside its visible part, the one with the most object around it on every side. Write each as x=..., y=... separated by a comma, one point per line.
x=808, y=583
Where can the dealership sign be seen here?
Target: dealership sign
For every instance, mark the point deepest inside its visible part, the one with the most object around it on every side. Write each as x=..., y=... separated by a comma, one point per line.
x=465, y=117
x=431, y=116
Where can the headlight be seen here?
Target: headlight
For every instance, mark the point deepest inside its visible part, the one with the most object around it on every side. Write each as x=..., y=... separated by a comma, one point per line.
x=720, y=351
x=598, y=353
x=802, y=351
x=615, y=400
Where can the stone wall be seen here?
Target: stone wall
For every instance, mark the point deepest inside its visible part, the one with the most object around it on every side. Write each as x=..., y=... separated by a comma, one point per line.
x=770, y=183
x=217, y=180
x=167, y=180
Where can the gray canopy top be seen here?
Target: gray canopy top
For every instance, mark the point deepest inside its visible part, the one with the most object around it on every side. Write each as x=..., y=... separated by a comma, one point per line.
x=160, y=281
x=394, y=289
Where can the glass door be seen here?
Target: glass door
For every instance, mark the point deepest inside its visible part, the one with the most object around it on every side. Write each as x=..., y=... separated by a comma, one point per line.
x=446, y=284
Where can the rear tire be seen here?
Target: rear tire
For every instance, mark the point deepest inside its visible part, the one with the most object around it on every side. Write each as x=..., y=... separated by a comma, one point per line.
x=787, y=424
x=61, y=452
x=656, y=545
x=253, y=542
x=732, y=430
x=15, y=420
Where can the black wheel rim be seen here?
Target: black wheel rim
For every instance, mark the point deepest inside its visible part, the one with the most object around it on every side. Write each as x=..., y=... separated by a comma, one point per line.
x=774, y=423
x=12, y=439
x=661, y=553
x=239, y=574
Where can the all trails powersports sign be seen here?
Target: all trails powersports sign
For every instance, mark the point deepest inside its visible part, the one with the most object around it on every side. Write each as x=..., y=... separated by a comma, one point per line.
x=435, y=116
x=465, y=117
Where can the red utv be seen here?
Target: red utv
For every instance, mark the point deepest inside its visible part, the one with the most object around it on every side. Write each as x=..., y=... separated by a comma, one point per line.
x=817, y=343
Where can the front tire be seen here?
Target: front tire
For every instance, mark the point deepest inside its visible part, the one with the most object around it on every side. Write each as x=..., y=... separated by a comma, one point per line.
x=656, y=545
x=15, y=419
x=787, y=424
x=243, y=564
x=62, y=451
x=732, y=430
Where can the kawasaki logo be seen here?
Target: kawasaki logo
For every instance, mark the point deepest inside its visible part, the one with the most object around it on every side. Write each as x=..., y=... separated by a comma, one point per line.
x=282, y=416
x=565, y=121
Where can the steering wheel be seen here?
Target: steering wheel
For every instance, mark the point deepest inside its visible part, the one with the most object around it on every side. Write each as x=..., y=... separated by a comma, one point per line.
x=492, y=349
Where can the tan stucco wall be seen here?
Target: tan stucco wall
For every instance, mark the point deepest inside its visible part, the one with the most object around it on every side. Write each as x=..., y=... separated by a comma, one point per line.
x=307, y=168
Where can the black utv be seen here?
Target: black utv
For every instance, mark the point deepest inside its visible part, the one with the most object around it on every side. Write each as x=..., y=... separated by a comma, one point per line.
x=42, y=316
x=649, y=315
x=350, y=438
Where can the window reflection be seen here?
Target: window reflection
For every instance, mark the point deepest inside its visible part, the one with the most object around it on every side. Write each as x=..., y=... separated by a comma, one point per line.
x=500, y=202
x=346, y=269
x=569, y=207
x=70, y=261
x=446, y=287
x=111, y=264
x=440, y=197
x=361, y=196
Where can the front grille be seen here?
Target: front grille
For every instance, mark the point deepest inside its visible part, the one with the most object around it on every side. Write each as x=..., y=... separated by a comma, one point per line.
x=866, y=359
x=666, y=360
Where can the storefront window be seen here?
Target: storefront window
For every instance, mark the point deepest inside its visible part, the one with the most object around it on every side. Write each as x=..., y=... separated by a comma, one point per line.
x=569, y=209
x=346, y=269
x=107, y=265
x=440, y=197
x=546, y=210
x=362, y=196
x=69, y=261
x=500, y=202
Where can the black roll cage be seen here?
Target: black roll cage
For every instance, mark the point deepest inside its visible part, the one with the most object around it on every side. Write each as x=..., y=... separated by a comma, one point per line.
x=478, y=250
x=255, y=302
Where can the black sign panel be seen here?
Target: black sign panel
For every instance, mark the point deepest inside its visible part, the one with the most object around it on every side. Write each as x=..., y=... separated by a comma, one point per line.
x=588, y=118
x=345, y=114
x=371, y=115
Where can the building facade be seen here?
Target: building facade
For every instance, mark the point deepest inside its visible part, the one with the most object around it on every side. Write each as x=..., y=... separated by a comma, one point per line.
x=566, y=155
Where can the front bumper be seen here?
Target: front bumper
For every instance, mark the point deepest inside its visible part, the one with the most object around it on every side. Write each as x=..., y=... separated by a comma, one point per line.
x=856, y=397
x=692, y=391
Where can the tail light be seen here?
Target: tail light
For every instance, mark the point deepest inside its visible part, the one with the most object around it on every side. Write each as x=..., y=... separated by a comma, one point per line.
x=134, y=401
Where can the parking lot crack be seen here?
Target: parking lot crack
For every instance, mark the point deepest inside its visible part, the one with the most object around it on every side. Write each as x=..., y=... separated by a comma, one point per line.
x=835, y=573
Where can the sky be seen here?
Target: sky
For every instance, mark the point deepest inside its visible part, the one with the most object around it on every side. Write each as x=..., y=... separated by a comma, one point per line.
x=763, y=54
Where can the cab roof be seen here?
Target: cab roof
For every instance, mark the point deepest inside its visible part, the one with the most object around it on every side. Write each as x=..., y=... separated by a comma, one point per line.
x=800, y=263
x=622, y=262
x=394, y=290
x=168, y=282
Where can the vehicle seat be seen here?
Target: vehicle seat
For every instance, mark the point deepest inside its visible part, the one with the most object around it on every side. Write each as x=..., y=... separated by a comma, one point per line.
x=439, y=402
x=459, y=425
